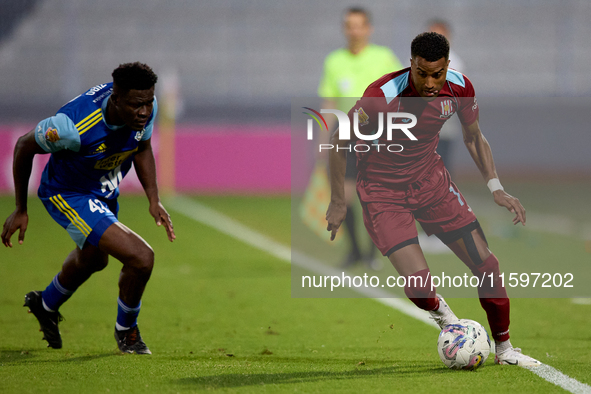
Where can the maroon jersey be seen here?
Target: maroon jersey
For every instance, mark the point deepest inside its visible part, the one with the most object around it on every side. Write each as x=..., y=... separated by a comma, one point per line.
x=407, y=160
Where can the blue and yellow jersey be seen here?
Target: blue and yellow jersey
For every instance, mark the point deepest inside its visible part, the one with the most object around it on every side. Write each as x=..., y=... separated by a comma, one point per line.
x=88, y=155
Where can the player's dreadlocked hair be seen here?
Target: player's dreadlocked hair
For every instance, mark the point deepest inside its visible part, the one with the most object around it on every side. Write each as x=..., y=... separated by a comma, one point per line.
x=430, y=46
x=136, y=75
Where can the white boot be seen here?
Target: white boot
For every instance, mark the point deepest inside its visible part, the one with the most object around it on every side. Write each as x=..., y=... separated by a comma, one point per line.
x=513, y=356
x=443, y=315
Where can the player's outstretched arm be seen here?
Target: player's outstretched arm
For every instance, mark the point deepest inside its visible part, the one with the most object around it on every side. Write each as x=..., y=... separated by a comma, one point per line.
x=481, y=153
x=337, y=209
x=145, y=167
x=325, y=135
x=25, y=150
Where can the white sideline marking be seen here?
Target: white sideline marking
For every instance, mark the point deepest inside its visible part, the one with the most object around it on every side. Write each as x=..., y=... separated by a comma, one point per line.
x=558, y=378
x=234, y=229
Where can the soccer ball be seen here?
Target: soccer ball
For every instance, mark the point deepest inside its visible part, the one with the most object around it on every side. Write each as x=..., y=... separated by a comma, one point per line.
x=463, y=345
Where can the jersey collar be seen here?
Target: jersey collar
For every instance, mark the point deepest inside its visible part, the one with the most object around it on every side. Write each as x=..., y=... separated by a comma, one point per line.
x=104, y=111
x=413, y=91
x=444, y=92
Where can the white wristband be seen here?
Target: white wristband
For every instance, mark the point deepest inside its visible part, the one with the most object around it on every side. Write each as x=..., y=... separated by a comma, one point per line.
x=494, y=185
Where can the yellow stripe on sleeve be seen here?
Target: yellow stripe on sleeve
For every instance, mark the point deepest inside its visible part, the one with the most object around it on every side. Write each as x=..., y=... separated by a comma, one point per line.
x=90, y=120
x=90, y=125
x=92, y=115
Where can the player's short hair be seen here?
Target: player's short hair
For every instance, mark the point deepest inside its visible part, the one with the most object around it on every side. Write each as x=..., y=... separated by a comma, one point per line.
x=136, y=75
x=430, y=46
x=359, y=10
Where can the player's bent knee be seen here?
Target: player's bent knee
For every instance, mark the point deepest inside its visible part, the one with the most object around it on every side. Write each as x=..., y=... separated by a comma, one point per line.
x=492, y=285
x=144, y=260
x=92, y=259
x=488, y=266
x=99, y=263
x=125, y=245
x=492, y=293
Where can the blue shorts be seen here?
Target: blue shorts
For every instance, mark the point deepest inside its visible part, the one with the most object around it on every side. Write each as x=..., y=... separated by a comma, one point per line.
x=84, y=216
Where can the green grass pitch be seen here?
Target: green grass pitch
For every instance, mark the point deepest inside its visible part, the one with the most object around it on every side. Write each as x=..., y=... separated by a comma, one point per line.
x=218, y=315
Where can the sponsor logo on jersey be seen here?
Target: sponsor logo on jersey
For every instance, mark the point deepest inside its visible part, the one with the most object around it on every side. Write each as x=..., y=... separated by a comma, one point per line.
x=102, y=148
x=475, y=105
x=103, y=95
x=111, y=162
x=446, y=109
x=52, y=135
x=139, y=135
x=92, y=91
x=363, y=117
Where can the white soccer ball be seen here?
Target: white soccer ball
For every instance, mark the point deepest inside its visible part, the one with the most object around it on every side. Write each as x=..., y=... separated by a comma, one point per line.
x=463, y=345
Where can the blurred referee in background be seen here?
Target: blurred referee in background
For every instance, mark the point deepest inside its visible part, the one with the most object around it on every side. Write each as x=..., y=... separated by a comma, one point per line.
x=347, y=72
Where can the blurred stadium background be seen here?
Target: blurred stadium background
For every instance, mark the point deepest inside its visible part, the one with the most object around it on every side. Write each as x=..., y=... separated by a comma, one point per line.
x=229, y=70
x=239, y=63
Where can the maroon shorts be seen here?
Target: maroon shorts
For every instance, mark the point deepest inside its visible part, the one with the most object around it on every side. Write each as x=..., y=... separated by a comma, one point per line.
x=389, y=211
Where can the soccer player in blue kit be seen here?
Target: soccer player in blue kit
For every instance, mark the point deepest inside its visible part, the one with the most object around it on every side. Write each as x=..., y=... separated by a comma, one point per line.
x=93, y=141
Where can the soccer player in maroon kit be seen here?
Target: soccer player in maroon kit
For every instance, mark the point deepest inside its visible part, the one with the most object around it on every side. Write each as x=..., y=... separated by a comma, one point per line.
x=395, y=188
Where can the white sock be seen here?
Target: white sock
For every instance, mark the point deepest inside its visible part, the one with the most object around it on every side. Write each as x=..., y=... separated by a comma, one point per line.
x=502, y=347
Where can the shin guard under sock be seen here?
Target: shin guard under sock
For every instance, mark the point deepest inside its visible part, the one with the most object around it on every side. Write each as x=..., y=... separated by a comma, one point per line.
x=493, y=298
x=55, y=295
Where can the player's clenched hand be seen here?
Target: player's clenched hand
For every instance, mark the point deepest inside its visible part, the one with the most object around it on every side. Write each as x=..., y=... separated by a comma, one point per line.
x=334, y=216
x=16, y=221
x=512, y=204
x=163, y=218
